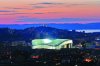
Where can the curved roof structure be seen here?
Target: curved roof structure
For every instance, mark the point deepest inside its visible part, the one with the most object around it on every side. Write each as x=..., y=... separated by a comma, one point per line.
x=50, y=43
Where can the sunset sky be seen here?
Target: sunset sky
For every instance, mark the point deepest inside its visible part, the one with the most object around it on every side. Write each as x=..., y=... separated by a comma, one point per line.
x=49, y=11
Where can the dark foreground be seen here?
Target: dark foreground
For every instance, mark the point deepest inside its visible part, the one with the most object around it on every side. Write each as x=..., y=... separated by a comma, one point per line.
x=64, y=57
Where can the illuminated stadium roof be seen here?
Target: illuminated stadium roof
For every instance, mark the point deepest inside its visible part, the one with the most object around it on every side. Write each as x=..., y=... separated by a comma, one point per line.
x=47, y=43
x=50, y=42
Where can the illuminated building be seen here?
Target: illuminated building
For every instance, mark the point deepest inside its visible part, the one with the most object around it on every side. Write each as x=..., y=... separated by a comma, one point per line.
x=51, y=43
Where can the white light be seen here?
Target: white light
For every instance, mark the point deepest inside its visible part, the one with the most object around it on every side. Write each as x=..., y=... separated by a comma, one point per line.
x=76, y=65
x=47, y=40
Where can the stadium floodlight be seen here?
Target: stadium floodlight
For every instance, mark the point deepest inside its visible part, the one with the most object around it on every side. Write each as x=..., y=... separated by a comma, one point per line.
x=47, y=41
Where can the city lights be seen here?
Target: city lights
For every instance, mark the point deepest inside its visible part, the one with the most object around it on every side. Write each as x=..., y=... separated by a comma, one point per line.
x=88, y=60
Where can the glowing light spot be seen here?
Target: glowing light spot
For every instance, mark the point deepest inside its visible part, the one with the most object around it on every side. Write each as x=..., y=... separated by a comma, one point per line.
x=47, y=40
x=88, y=60
x=35, y=57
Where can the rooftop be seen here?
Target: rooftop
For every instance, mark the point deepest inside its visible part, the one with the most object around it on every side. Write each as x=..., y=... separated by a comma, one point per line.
x=50, y=42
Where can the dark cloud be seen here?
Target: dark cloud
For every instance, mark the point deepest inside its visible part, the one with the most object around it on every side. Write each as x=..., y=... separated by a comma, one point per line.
x=45, y=12
x=69, y=5
x=12, y=8
x=46, y=3
x=5, y=11
x=18, y=8
x=38, y=13
x=78, y=4
x=50, y=3
x=6, y=14
x=38, y=6
x=54, y=12
x=21, y=13
x=22, y=8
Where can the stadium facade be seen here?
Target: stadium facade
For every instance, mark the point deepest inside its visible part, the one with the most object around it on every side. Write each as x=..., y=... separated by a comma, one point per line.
x=51, y=43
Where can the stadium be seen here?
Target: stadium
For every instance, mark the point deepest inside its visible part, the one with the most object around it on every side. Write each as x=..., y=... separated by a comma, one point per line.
x=51, y=43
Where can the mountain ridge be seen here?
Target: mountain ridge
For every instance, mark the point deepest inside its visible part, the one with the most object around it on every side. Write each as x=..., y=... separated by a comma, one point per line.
x=58, y=26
